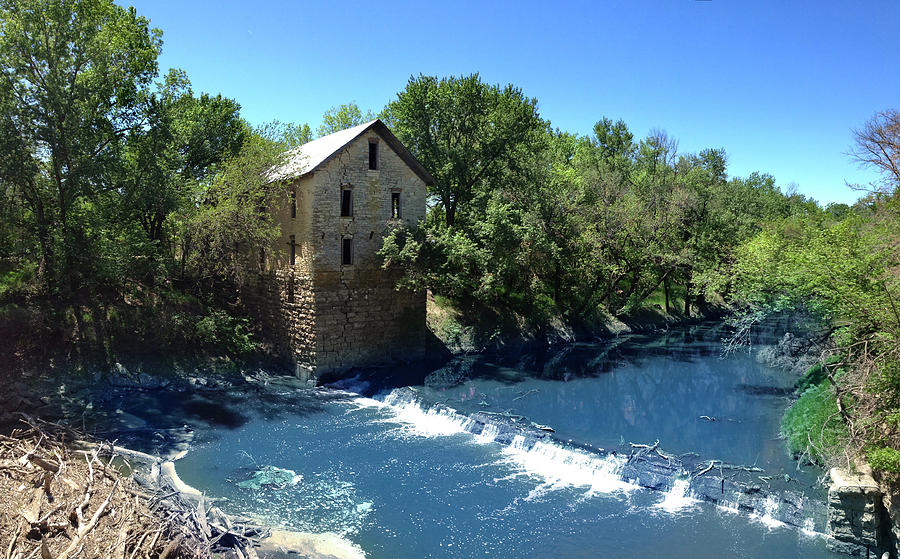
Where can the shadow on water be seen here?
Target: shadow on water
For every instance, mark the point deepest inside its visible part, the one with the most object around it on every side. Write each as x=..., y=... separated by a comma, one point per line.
x=571, y=361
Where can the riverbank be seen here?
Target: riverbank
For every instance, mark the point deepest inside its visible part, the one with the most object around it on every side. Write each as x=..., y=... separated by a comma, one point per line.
x=63, y=499
x=479, y=329
x=87, y=495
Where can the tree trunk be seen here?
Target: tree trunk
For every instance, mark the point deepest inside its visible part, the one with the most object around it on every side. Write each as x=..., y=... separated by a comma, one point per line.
x=687, y=298
x=556, y=281
x=47, y=266
x=666, y=291
x=451, y=214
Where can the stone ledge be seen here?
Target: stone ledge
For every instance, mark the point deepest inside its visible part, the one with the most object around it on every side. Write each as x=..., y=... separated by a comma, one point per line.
x=843, y=481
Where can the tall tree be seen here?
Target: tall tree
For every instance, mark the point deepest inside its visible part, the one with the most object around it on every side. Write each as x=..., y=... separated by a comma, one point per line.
x=75, y=79
x=340, y=118
x=464, y=131
x=878, y=146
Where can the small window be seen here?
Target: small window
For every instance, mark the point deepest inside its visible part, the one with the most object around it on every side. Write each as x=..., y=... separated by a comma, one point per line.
x=293, y=251
x=395, y=205
x=291, y=289
x=346, y=202
x=293, y=204
x=346, y=251
x=373, y=156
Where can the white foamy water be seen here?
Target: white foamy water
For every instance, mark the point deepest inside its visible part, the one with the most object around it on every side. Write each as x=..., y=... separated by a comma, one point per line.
x=488, y=434
x=431, y=422
x=556, y=466
x=767, y=516
x=809, y=529
x=560, y=467
x=677, y=498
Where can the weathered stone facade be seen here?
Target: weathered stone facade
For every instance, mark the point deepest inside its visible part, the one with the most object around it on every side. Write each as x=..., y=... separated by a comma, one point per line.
x=856, y=515
x=891, y=502
x=332, y=312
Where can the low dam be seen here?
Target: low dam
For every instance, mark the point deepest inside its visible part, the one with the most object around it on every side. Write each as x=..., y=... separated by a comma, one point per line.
x=648, y=447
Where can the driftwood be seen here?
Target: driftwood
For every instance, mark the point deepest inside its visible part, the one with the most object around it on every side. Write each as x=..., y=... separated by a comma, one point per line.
x=77, y=504
x=647, y=449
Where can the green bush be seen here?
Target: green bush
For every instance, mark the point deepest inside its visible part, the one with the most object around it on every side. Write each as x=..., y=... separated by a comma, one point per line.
x=813, y=424
x=884, y=459
x=815, y=375
x=227, y=332
x=18, y=278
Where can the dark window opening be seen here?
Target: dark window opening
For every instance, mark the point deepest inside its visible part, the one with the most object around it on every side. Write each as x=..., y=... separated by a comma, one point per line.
x=346, y=202
x=373, y=156
x=291, y=289
x=395, y=205
x=293, y=251
x=293, y=203
x=346, y=251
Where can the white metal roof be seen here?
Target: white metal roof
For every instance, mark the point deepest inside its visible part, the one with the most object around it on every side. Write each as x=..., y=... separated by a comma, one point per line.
x=304, y=159
x=308, y=157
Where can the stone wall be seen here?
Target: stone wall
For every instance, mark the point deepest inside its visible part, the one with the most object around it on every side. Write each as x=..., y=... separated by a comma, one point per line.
x=890, y=491
x=360, y=317
x=856, y=515
x=325, y=316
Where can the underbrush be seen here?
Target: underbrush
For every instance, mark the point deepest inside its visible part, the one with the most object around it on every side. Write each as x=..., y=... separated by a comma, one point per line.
x=813, y=427
x=164, y=325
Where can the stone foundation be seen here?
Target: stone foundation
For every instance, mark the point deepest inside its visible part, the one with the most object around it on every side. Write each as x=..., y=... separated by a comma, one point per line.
x=856, y=514
x=327, y=325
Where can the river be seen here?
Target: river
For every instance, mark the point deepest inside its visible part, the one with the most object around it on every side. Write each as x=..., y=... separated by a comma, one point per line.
x=423, y=470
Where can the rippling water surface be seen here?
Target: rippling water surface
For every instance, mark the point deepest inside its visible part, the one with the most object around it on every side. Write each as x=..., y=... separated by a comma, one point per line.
x=401, y=473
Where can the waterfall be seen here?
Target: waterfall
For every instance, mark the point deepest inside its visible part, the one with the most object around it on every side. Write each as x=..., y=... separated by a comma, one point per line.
x=677, y=498
x=531, y=452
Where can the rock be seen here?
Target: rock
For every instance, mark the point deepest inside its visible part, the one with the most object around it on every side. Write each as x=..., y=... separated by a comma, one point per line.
x=284, y=543
x=855, y=511
x=130, y=421
x=453, y=374
x=270, y=476
x=847, y=548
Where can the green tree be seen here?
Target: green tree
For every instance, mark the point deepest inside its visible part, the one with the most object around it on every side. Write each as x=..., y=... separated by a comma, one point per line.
x=75, y=81
x=185, y=139
x=340, y=118
x=221, y=232
x=464, y=131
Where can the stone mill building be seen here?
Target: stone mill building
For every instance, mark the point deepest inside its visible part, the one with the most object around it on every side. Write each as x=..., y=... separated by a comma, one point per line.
x=322, y=291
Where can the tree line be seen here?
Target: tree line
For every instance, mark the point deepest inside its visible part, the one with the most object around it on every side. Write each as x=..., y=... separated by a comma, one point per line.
x=124, y=191
x=529, y=218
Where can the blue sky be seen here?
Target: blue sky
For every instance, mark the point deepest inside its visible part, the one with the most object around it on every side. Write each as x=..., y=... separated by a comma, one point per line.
x=779, y=85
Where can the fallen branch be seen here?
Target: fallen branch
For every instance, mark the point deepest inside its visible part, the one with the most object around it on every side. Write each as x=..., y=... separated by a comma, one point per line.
x=86, y=529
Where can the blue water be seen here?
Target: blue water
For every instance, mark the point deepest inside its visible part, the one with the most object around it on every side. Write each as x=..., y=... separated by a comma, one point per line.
x=403, y=478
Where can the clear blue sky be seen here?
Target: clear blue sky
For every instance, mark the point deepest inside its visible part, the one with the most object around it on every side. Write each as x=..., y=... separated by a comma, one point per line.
x=779, y=85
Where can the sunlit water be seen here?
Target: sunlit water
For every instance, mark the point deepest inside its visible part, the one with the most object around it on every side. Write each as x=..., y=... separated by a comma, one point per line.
x=407, y=478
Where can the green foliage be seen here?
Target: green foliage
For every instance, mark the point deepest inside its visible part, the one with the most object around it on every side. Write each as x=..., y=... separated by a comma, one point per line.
x=813, y=426
x=17, y=279
x=75, y=81
x=548, y=223
x=340, y=118
x=465, y=132
x=815, y=375
x=884, y=459
x=220, y=329
x=222, y=231
x=113, y=187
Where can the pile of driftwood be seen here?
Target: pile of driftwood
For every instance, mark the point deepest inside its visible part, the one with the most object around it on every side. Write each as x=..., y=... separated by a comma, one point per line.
x=63, y=497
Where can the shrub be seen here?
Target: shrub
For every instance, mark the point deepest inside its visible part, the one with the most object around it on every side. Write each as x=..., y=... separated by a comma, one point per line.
x=815, y=375
x=227, y=332
x=813, y=425
x=884, y=459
